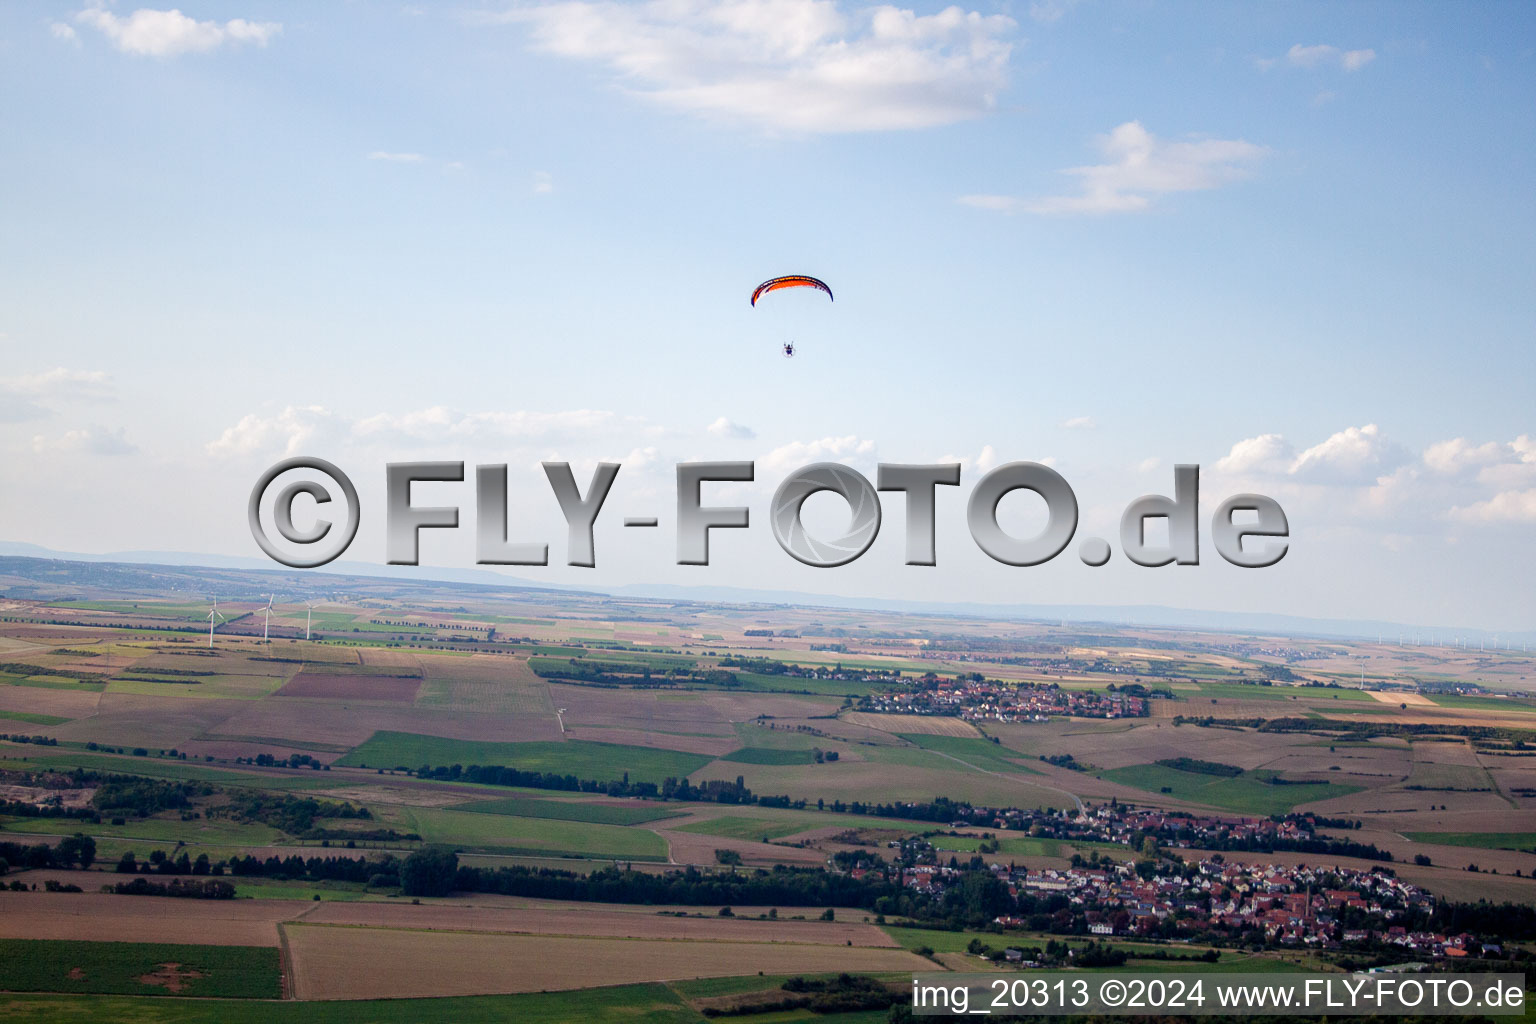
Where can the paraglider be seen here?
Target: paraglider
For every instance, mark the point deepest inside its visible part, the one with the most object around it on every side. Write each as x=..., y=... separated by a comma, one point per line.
x=790, y=281
x=774, y=284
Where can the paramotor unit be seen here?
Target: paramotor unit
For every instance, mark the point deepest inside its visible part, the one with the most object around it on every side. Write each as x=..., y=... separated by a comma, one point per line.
x=789, y=281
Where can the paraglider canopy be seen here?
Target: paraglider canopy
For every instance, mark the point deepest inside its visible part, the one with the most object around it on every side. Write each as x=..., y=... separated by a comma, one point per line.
x=774, y=284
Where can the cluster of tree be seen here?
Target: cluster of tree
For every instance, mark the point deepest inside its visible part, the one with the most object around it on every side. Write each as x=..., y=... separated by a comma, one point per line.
x=132, y=794
x=1311, y=821
x=291, y=761
x=607, y=673
x=70, y=851
x=1361, y=730
x=1199, y=767
x=27, y=809
x=430, y=871
x=22, y=668
x=212, y=889
x=41, y=741
x=379, y=873
x=291, y=814
x=1064, y=761
x=788, y=886
x=1298, y=844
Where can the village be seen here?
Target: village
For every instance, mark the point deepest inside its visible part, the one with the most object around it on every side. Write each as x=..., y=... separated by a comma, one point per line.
x=976, y=699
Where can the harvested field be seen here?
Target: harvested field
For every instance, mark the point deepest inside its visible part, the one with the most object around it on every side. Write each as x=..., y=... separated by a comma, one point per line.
x=38, y=701
x=351, y=687
x=1411, y=699
x=485, y=684
x=642, y=710
x=695, y=848
x=101, y=917
x=712, y=745
x=338, y=724
x=367, y=963
x=927, y=725
x=128, y=720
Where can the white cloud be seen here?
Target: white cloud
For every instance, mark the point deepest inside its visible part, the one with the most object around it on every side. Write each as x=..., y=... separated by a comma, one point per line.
x=24, y=397
x=59, y=30
x=787, y=65
x=396, y=158
x=92, y=440
x=151, y=33
x=1320, y=55
x=1048, y=12
x=790, y=457
x=296, y=428
x=1360, y=472
x=1505, y=507
x=1457, y=455
x=1080, y=423
x=289, y=431
x=1353, y=455
x=1139, y=168
x=723, y=427
x=440, y=423
x=1267, y=453
x=543, y=183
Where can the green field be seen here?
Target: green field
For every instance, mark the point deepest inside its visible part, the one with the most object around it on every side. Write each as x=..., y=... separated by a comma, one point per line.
x=142, y=609
x=31, y=719
x=754, y=829
x=1248, y=793
x=983, y=754
x=1430, y=775
x=43, y=965
x=566, y=810
x=1280, y=691
x=154, y=767
x=583, y=758
x=1492, y=705
x=1481, y=840
x=770, y=755
x=625, y=1004
x=51, y=682
x=500, y=833
x=225, y=687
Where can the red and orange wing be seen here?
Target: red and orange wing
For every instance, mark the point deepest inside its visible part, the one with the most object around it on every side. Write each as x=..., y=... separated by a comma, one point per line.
x=788, y=281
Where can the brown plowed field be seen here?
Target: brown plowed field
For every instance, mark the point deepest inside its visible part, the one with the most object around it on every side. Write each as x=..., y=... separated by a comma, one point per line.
x=378, y=963
x=99, y=917
x=350, y=687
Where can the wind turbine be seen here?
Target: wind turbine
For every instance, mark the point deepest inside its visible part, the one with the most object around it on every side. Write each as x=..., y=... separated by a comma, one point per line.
x=309, y=611
x=268, y=623
x=212, y=613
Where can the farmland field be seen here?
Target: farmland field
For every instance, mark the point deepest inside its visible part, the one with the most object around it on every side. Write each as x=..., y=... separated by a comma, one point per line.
x=256, y=724
x=1480, y=840
x=568, y=810
x=1248, y=793
x=353, y=963
x=133, y=968
x=584, y=759
x=546, y=835
x=730, y=827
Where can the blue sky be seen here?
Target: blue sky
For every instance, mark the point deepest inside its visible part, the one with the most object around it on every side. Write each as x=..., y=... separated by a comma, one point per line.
x=1290, y=242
